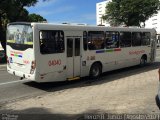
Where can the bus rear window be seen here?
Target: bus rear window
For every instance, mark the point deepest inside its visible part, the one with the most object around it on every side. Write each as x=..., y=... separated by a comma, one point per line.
x=20, y=36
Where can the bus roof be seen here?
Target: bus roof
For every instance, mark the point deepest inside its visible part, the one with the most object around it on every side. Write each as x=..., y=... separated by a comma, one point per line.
x=89, y=27
x=78, y=26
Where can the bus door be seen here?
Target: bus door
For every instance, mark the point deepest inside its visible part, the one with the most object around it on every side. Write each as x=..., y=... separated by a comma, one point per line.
x=73, y=58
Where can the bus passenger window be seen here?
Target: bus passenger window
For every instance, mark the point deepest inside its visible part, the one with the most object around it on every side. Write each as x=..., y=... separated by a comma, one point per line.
x=125, y=39
x=112, y=40
x=95, y=40
x=146, y=36
x=51, y=41
x=136, y=38
x=43, y=42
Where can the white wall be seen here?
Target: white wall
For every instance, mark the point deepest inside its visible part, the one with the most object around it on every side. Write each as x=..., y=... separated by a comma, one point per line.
x=100, y=11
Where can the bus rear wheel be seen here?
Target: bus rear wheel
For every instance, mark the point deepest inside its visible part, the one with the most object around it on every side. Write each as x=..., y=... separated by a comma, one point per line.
x=143, y=61
x=95, y=71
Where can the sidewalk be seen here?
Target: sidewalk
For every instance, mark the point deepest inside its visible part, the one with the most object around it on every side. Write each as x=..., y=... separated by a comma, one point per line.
x=130, y=93
x=3, y=66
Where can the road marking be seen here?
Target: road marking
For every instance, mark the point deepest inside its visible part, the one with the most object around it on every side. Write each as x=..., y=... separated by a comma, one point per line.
x=14, y=82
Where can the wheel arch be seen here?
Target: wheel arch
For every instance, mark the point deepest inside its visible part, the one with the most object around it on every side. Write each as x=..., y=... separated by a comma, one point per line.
x=143, y=60
x=144, y=56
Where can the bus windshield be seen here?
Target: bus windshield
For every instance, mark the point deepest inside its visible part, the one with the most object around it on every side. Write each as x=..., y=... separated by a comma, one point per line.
x=20, y=37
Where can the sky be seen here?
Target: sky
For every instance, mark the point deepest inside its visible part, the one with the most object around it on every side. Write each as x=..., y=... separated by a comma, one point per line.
x=70, y=11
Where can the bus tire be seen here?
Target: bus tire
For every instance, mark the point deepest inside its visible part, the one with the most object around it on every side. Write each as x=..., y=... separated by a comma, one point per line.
x=95, y=71
x=143, y=60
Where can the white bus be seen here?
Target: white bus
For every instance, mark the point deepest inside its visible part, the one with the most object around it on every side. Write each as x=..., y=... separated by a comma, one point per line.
x=45, y=52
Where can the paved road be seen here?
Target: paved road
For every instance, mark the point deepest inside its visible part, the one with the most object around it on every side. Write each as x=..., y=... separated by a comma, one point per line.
x=158, y=55
x=130, y=91
x=11, y=88
x=5, y=77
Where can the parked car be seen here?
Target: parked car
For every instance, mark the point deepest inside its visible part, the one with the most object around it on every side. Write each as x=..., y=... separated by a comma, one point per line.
x=2, y=56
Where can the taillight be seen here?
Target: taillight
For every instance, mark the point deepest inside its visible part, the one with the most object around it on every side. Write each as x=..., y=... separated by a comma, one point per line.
x=8, y=63
x=33, y=66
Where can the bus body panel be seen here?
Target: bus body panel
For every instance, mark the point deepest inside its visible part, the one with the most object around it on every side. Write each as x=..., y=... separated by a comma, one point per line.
x=20, y=50
x=20, y=60
x=115, y=59
x=60, y=66
x=49, y=67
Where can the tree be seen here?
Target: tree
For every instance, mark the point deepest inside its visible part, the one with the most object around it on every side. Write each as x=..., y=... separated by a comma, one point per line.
x=35, y=18
x=12, y=11
x=130, y=12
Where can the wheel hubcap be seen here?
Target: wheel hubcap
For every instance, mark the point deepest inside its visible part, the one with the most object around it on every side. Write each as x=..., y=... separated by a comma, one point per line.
x=95, y=71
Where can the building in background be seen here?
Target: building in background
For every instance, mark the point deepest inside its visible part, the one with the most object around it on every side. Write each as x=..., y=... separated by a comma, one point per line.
x=100, y=11
x=154, y=22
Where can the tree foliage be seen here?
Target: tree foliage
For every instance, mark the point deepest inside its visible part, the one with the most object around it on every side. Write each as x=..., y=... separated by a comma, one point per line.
x=130, y=12
x=35, y=18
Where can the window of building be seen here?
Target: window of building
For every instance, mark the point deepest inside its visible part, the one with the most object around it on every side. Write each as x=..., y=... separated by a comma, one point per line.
x=154, y=23
x=125, y=39
x=51, y=41
x=136, y=38
x=112, y=39
x=85, y=40
x=154, y=19
x=146, y=36
x=95, y=40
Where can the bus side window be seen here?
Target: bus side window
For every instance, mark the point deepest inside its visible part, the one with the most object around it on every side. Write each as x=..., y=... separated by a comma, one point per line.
x=112, y=39
x=51, y=41
x=146, y=36
x=43, y=42
x=95, y=40
x=77, y=47
x=125, y=39
x=136, y=38
x=69, y=47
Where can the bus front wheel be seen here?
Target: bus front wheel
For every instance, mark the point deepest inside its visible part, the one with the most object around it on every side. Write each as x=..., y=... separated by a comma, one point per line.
x=95, y=71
